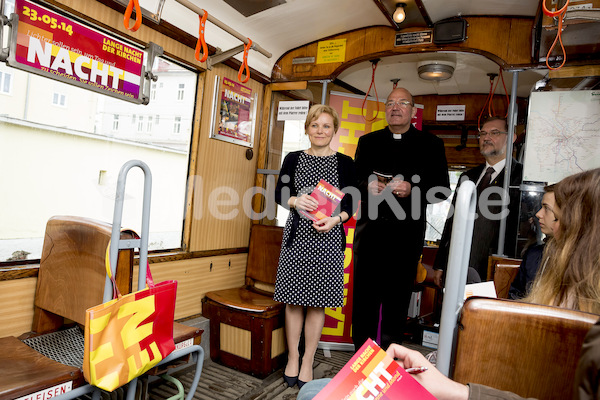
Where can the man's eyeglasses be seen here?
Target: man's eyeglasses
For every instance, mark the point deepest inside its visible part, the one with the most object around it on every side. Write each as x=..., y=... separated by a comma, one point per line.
x=401, y=103
x=494, y=133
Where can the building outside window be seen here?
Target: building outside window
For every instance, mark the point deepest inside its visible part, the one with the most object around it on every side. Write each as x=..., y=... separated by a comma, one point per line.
x=180, y=91
x=115, y=124
x=59, y=99
x=177, y=125
x=153, y=91
x=5, y=82
x=140, y=125
x=149, y=125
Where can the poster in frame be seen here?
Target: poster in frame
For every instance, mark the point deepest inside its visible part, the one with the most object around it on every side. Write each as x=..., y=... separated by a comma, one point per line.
x=233, y=113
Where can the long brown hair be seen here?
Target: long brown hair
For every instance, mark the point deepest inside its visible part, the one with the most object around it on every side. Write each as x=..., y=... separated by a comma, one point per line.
x=570, y=273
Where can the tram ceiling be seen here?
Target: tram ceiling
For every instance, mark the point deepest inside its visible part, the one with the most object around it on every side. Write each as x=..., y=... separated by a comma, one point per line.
x=282, y=25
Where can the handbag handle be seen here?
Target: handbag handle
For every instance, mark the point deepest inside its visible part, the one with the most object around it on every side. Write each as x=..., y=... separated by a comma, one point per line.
x=116, y=291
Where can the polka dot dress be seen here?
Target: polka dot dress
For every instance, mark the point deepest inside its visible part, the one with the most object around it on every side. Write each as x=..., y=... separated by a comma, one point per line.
x=311, y=270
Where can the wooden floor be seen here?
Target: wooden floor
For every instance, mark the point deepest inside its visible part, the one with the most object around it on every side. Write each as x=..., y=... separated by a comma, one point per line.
x=221, y=383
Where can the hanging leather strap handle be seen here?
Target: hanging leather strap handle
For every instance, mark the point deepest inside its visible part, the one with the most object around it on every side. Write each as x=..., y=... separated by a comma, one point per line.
x=138, y=15
x=201, y=42
x=245, y=63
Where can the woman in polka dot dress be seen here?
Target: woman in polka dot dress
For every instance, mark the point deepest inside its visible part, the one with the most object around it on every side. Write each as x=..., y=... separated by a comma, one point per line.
x=311, y=264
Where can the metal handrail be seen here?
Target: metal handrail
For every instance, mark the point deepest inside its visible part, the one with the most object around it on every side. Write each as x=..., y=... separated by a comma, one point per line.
x=223, y=26
x=456, y=273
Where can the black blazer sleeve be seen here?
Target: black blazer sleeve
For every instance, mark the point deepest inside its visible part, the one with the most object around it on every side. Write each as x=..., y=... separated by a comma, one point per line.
x=285, y=183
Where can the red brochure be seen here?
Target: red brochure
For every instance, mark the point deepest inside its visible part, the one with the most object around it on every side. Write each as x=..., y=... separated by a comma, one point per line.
x=372, y=374
x=328, y=197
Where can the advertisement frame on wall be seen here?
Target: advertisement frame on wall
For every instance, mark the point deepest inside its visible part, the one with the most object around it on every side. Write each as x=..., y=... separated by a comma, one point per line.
x=233, y=112
x=59, y=47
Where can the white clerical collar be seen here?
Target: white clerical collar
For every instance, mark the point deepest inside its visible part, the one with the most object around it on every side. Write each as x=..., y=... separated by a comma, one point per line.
x=397, y=136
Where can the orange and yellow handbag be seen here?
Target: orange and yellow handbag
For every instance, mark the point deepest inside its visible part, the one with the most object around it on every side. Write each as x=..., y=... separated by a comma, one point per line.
x=130, y=334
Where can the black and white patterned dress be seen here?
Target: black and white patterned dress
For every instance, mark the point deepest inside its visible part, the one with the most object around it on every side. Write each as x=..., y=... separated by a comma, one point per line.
x=311, y=269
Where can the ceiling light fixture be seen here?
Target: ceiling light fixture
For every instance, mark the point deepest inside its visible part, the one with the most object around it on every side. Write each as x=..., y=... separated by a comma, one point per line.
x=435, y=70
x=399, y=14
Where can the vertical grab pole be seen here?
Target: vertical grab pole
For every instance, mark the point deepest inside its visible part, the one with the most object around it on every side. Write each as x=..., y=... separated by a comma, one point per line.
x=115, y=241
x=456, y=273
x=512, y=121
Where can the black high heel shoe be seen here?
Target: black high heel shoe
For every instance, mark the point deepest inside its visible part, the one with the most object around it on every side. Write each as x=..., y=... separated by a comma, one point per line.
x=290, y=380
x=301, y=383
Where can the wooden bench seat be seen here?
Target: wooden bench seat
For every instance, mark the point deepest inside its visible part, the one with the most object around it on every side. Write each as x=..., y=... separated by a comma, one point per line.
x=25, y=371
x=246, y=324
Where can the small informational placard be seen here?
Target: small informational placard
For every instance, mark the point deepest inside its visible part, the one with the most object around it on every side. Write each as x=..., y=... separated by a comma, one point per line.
x=303, y=60
x=408, y=38
x=450, y=113
x=236, y=113
x=330, y=51
x=52, y=45
x=292, y=110
x=49, y=393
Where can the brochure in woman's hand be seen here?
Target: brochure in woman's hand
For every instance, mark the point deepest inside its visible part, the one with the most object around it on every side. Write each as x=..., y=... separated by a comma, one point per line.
x=328, y=196
x=372, y=374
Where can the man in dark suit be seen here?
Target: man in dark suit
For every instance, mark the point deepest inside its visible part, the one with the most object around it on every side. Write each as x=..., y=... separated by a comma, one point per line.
x=389, y=234
x=489, y=179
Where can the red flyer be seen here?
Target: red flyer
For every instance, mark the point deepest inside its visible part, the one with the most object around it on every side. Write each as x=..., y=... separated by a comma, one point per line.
x=328, y=197
x=372, y=374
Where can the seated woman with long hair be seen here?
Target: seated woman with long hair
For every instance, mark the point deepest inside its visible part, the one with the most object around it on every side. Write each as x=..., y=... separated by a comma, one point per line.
x=570, y=273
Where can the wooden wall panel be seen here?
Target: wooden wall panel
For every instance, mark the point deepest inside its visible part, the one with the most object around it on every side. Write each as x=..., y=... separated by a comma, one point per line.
x=222, y=166
x=197, y=276
x=16, y=313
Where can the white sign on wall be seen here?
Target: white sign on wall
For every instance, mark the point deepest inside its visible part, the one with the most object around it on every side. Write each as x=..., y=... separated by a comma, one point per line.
x=292, y=110
x=450, y=113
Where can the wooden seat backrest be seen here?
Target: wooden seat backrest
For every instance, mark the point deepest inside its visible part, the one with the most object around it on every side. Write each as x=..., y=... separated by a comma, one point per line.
x=72, y=271
x=493, y=260
x=263, y=255
x=504, y=275
x=529, y=349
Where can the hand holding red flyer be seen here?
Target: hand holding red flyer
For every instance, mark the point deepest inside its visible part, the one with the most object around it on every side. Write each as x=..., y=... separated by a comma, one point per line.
x=372, y=374
x=328, y=197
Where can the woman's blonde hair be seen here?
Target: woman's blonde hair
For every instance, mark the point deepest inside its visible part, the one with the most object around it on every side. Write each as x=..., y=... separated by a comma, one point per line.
x=318, y=109
x=570, y=274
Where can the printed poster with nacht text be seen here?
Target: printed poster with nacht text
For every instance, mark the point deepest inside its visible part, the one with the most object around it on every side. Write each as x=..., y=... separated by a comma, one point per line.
x=55, y=46
x=235, y=117
x=372, y=374
x=355, y=121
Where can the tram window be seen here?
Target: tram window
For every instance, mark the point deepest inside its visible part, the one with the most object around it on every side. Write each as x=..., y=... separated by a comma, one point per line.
x=53, y=156
x=437, y=213
x=293, y=139
x=9, y=7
